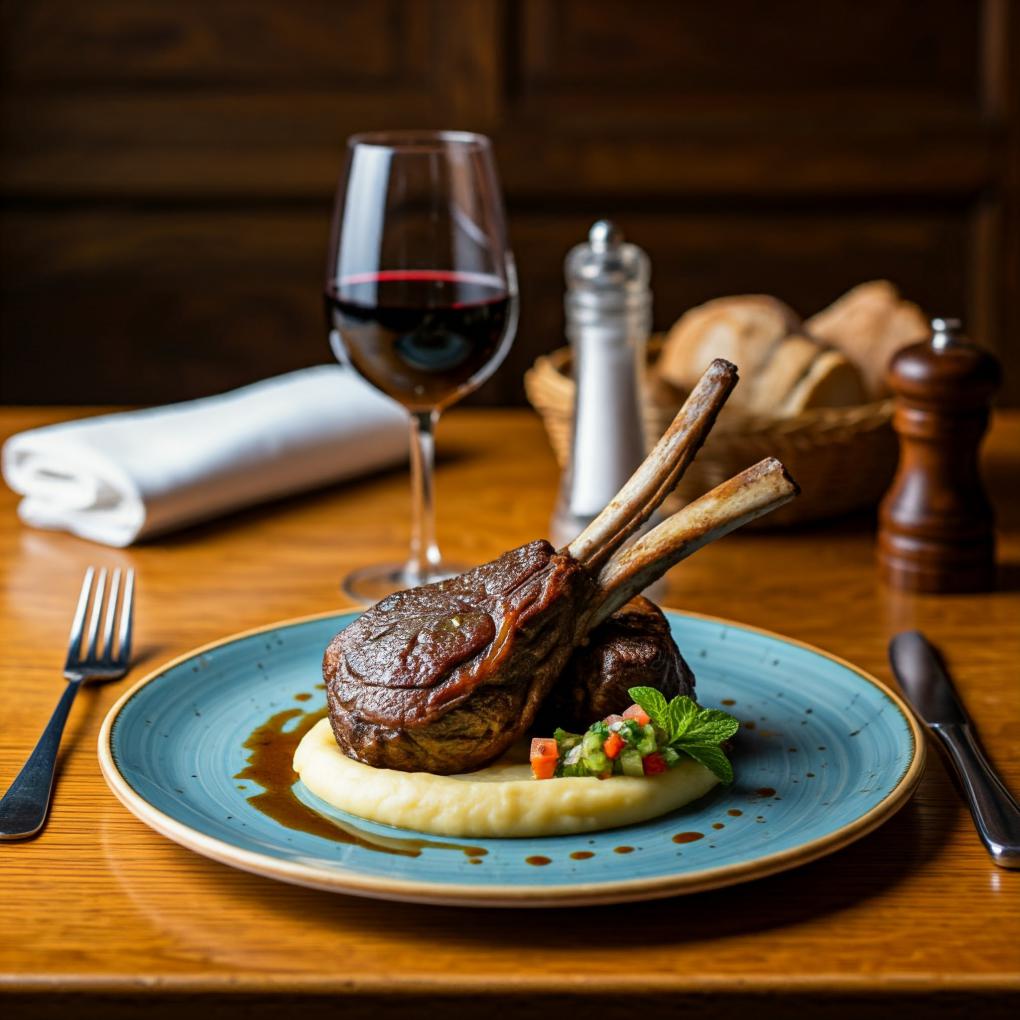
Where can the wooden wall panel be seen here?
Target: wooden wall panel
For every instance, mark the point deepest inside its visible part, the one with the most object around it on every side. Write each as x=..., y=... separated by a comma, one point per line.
x=167, y=168
x=191, y=43
x=750, y=52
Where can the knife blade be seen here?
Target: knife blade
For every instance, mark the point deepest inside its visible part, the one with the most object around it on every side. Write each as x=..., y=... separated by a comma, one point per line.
x=925, y=680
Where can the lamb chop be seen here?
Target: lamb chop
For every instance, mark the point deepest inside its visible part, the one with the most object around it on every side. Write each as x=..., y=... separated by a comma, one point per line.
x=445, y=677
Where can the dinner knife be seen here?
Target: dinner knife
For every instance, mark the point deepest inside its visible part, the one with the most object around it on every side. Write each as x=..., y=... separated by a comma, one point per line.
x=923, y=678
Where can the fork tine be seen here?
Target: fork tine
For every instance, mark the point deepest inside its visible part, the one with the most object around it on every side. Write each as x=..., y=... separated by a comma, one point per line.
x=111, y=616
x=78, y=623
x=97, y=612
x=127, y=613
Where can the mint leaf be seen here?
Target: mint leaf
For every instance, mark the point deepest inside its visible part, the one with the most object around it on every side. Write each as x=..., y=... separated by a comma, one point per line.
x=710, y=726
x=653, y=702
x=712, y=757
x=682, y=712
x=691, y=729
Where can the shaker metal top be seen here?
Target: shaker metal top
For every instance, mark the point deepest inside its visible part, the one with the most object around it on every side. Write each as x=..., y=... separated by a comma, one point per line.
x=606, y=262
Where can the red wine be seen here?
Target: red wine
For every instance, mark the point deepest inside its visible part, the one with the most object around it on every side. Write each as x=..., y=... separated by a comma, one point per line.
x=424, y=337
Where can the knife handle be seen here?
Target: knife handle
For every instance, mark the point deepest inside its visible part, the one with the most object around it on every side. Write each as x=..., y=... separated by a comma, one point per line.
x=995, y=812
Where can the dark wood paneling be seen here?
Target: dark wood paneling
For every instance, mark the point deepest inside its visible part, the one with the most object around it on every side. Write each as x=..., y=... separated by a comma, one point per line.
x=263, y=44
x=144, y=306
x=751, y=52
x=219, y=299
x=167, y=167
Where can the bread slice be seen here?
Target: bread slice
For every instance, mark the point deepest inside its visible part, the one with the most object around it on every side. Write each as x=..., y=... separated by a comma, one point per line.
x=831, y=381
x=745, y=329
x=790, y=362
x=869, y=324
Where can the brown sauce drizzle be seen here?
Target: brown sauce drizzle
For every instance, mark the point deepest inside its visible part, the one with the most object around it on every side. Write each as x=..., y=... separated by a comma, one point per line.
x=623, y=849
x=538, y=861
x=303, y=697
x=734, y=812
x=270, y=756
x=581, y=855
x=688, y=837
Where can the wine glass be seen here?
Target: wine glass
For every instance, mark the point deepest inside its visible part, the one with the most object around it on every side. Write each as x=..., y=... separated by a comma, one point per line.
x=421, y=299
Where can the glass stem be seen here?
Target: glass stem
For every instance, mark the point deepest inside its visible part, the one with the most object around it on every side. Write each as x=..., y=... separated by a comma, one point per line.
x=424, y=551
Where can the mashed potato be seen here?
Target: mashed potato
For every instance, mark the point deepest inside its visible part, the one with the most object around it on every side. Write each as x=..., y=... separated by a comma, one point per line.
x=501, y=800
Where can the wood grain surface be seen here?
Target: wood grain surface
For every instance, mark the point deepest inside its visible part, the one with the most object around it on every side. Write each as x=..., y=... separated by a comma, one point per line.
x=102, y=917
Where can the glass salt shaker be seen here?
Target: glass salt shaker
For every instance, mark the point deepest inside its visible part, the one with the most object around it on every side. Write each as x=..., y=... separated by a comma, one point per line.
x=609, y=314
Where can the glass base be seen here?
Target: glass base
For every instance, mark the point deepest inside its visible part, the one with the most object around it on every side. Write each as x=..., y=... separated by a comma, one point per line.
x=369, y=584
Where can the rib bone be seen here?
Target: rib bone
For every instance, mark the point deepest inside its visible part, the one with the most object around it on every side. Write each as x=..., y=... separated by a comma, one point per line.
x=728, y=506
x=660, y=472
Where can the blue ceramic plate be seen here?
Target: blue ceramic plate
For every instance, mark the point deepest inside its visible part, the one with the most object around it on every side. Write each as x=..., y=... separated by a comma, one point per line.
x=825, y=755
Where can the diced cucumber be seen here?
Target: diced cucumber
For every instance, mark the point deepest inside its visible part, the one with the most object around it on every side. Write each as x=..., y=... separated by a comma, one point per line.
x=598, y=762
x=591, y=743
x=630, y=762
x=575, y=770
x=565, y=741
x=646, y=743
x=670, y=757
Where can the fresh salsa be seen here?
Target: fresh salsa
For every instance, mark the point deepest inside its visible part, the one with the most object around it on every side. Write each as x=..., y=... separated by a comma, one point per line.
x=652, y=736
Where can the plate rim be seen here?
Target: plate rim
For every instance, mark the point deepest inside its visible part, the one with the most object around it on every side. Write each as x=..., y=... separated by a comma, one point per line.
x=587, y=894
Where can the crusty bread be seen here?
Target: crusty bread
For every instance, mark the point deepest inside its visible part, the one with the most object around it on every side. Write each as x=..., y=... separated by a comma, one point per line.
x=837, y=358
x=830, y=381
x=788, y=365
x=745, y=330
x=783, y=372
x=869, y=324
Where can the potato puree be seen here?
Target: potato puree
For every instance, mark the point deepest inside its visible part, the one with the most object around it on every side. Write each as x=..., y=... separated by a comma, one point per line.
x=501, y=800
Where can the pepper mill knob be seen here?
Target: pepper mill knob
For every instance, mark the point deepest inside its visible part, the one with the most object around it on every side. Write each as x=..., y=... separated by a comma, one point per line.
x=936, y=525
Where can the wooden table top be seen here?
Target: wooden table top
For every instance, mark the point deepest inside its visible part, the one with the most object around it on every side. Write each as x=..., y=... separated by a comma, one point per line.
x=101, y=906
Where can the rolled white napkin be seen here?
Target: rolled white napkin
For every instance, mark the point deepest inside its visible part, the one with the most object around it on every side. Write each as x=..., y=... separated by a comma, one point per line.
x=121, y=477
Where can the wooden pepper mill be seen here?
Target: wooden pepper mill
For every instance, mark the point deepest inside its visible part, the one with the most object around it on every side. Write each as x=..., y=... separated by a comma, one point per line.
x=936, y=525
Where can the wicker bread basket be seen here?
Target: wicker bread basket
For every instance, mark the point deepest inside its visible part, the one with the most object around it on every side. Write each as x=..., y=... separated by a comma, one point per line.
x=842, y=457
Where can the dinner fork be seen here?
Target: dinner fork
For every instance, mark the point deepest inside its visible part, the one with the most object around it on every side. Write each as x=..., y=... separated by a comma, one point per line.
x=24, y=807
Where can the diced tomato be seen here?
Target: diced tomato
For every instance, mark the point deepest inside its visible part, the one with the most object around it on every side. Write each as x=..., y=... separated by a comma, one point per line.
x=610, y=719
x=654, y=763
x=613, y=745
x=638, y=714
x=544, y=753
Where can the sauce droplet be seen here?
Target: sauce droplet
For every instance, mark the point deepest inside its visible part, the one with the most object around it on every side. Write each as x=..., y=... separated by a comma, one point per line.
x=581, y=855
x=727, y=701
x=304, y=696
x=749, y=725
x=765, y=791
x=718, y=825
x=734, y=812
x=538, y=861
x=623, y=850
x=688, y=837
